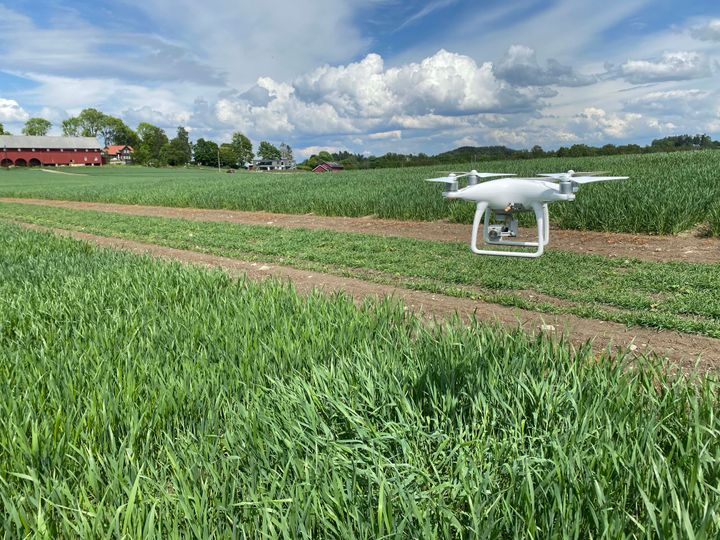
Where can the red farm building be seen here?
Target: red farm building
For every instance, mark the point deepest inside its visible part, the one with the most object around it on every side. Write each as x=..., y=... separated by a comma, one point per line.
x=328, y=166
x=26, y=151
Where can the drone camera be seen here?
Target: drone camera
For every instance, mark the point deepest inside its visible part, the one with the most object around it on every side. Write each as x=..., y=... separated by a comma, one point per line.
x=506, y=226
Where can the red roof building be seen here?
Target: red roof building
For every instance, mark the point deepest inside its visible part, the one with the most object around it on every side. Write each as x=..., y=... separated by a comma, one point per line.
x=328, y=166
x=31, y=151
x=119, y=153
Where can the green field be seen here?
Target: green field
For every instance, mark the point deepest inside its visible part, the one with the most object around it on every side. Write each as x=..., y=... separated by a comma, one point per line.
x=141, y=399
x=667, y=193
x=675, y=295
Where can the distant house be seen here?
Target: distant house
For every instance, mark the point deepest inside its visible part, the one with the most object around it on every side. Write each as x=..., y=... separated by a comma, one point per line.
x=119, y=153
x=328, y=166
x=36, y=151
x=272, y=165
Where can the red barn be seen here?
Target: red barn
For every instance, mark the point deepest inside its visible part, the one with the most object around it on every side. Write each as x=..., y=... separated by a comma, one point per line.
x=27, y=151
x=328, y=166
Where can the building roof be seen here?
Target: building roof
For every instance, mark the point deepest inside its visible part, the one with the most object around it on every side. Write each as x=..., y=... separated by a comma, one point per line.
x=116, y=148
x=328, y=166
x=26, y=141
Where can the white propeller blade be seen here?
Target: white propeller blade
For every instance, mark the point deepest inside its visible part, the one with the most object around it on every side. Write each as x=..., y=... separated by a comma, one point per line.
x=443, y=179
x=589, y=179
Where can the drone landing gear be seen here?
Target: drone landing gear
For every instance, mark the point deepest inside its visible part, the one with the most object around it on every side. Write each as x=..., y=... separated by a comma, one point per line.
x=493, y=234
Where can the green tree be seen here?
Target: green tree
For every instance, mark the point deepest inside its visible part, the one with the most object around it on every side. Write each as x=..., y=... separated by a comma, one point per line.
x=206, y=153
x=286, y=153
x=268, y=151
x=71, y=127
x=92, y=122
x=152, y=138
x=227, y=156
x=115, y=131
x=142, y=155
x=2, y=130
x=179, y=150
x=242, y=149
x=37, y=126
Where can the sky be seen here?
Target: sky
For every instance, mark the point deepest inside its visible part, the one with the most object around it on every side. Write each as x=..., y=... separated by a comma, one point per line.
x=370, y=76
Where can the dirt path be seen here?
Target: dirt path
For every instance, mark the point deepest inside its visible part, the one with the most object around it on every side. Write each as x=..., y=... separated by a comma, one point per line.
x=651, y=248
x=680, y=349
x=62, y=172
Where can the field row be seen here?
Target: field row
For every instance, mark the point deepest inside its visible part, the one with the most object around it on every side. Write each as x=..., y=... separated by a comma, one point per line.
x=679, y=296
x=141, y=399
x=666, y=193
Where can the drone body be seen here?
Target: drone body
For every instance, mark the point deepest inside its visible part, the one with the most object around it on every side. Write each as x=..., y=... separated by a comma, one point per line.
x=506, y=197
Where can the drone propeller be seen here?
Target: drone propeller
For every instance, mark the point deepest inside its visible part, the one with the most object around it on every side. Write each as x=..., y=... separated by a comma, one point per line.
x=582, y=177
x=452, y=177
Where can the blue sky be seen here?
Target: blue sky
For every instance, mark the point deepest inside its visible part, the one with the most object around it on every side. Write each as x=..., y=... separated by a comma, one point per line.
x=370, y=76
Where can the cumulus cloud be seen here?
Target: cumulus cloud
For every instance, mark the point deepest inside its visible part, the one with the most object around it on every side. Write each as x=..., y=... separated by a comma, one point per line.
x=597, y=123
x=521, y=68
x=11, y=111
x=709, y=31
x=671, y=66
x=443, y=90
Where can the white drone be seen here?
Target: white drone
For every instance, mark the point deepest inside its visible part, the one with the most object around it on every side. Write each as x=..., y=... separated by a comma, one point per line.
x=506, y=197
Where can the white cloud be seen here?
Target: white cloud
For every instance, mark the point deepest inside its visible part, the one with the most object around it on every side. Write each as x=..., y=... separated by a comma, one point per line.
x=445, y=89
x=310, y=150
x=595, y=123
x=395, y=134
x=11, y=111
x=671, y=66
x=520, y=67
x=709, y=31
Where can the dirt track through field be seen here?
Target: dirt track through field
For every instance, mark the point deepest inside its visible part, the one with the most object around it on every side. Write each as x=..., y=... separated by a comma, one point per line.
x=680, y=349
x=645, y=247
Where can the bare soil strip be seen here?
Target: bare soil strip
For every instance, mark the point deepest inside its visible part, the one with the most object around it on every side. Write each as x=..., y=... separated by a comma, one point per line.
x=680, y=349
x=645, y=247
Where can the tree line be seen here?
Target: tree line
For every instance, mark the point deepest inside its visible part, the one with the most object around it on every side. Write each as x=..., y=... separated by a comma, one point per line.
x=469, y=154
x=151, y=145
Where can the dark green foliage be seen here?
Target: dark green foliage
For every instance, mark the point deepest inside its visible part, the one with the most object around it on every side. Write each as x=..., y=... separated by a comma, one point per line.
x=37, y=127
x=268, y=151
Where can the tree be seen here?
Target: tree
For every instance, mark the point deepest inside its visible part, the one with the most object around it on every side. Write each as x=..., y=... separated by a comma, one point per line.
x=37, y=126
x=268, y=151
x=286, y=153
x=152, y=140
x=242, y=149
x=92, y=122
x=2, y=130
x=71, y=127
x=206, y=153
x=115, y=131
x=179, y=150
x=227, y=156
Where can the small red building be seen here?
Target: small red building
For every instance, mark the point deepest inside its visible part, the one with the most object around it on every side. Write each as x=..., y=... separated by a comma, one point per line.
x=328, y=166
x=119, y=153
x=29, y=151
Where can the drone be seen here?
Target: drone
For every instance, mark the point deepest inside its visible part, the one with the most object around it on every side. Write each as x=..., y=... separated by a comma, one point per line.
x=506, y=197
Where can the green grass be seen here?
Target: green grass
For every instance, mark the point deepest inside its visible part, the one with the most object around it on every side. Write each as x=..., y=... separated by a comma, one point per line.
x=141, y=399
x=667, y=193
x=678, y=295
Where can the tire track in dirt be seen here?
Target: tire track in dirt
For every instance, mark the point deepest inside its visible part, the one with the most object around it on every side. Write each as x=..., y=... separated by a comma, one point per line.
x=645, y=247
x=682, y=350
